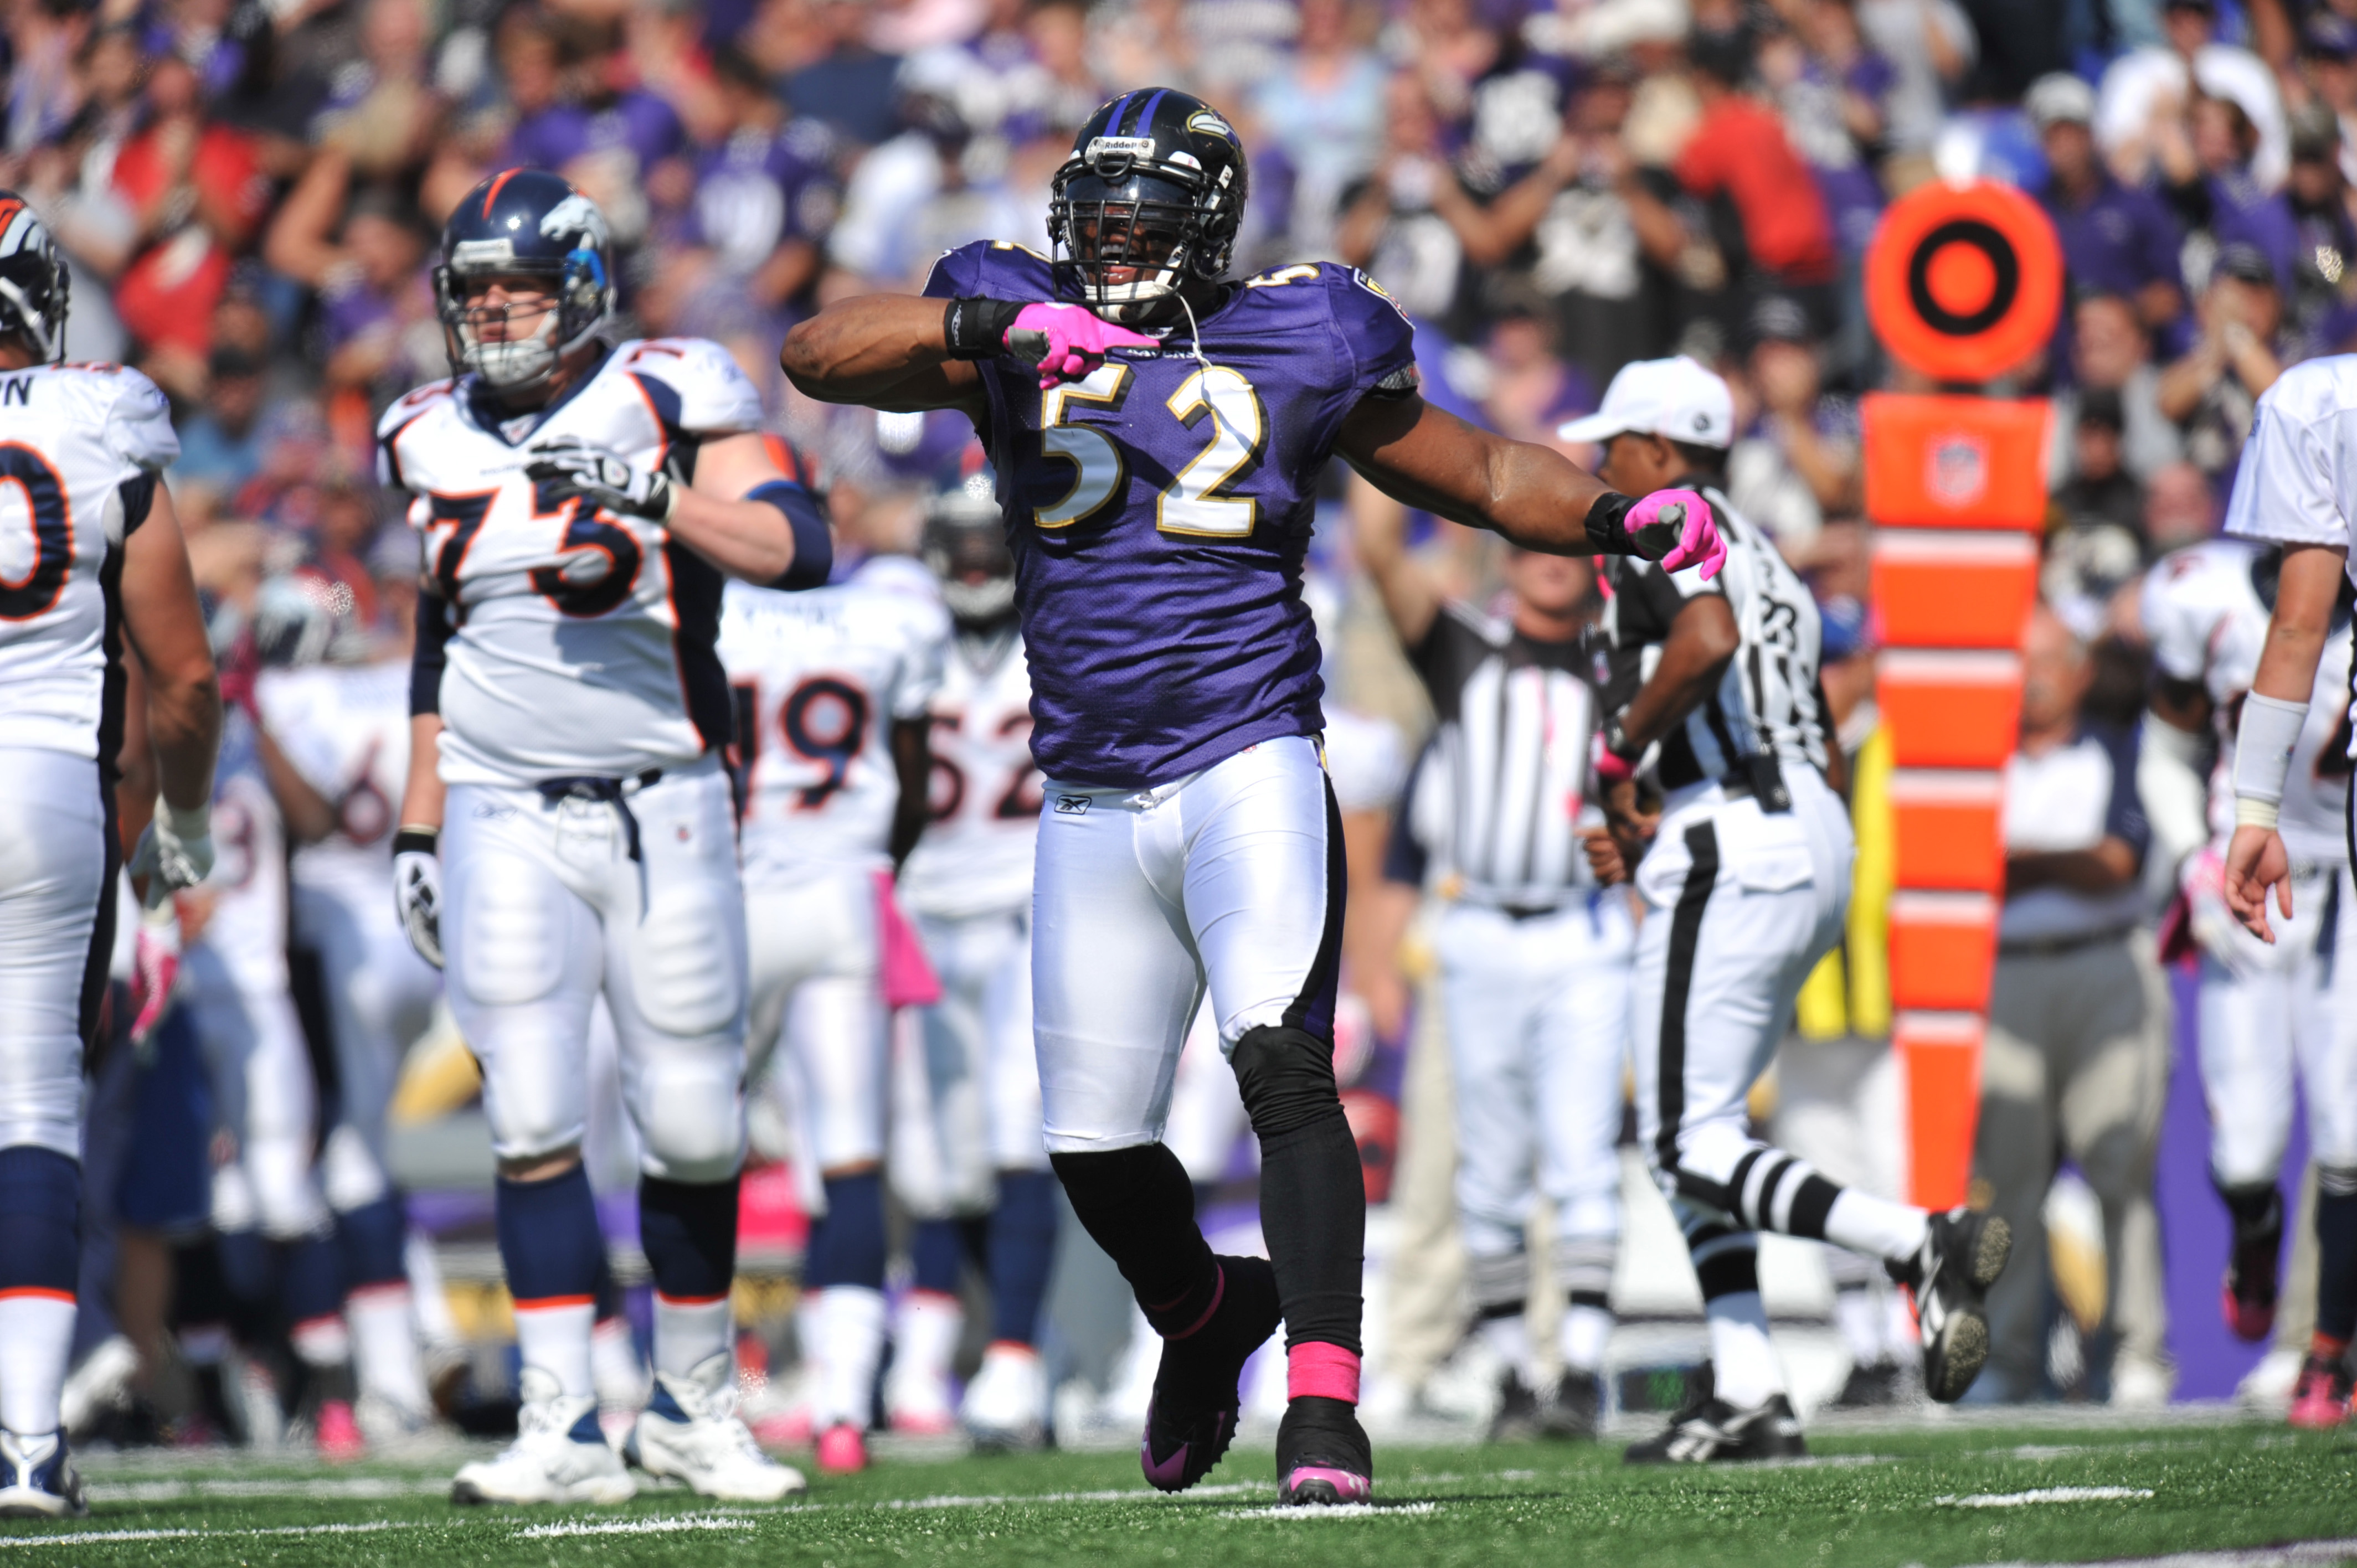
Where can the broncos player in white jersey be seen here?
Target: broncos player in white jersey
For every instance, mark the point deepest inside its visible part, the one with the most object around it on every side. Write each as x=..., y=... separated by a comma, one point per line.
x=567, y=828
x=1745, y=876
x=336, y=710
x=832, y=691
x=2264, y=1007
x=969, y=885
x=91, y=568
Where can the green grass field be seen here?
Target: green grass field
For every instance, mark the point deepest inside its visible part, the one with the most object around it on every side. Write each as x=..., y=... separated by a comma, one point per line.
x=1921, y=1495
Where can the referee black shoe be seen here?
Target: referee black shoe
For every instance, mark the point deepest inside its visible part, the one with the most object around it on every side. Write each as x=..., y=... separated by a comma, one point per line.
x=1716, y=1433
x=1964, y=1253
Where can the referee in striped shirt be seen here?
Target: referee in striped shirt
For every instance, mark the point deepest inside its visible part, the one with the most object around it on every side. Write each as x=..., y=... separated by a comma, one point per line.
x=1534, y=955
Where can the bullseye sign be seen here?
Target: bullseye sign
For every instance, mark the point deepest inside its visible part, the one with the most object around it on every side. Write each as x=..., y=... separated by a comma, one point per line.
x=1964, y=282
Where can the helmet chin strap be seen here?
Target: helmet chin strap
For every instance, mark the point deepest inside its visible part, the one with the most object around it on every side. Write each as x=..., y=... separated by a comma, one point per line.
x=514, y=363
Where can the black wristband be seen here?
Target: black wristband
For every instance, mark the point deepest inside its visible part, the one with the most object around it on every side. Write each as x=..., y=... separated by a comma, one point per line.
x=418, y=841
x=976, y=328
x=1616, y=740
x=1607, y=526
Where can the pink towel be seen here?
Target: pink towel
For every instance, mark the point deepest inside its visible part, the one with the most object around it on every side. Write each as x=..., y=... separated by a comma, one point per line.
x=908, y=978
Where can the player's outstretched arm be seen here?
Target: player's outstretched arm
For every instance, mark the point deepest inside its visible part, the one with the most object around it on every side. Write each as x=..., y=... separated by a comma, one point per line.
x=881, y=350
x=166, y=630
x=2273, y=715
x=1532, y=495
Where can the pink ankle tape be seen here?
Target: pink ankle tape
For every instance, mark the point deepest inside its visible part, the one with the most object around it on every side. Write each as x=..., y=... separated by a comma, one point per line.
x=1327, y=1371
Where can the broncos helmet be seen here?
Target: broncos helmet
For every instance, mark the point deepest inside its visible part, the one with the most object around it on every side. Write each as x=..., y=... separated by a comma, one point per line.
x=524, y=223
x=34, y=282
x=965, y=543
x=1155, y=186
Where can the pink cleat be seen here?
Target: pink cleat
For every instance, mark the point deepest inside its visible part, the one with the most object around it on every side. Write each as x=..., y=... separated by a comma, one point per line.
x=842, y=1450
x=2319, y=1400
x=340, y=1433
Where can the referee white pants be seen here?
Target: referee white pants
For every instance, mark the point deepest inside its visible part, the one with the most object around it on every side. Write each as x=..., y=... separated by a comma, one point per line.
x=979, y=1070
x=1740, y=905
x=1144, y=897
x=818, y=1007
x=545, y=909
x=53, y=876
x=2267, y=1011
x=1538, y=1034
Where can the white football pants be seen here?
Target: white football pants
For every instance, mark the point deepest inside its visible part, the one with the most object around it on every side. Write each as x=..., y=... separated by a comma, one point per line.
x=380, y=997
x=2262, y=1012
x=52, y=877
x=977, y=1069
x=266, y=1096
x=818, y=1009
x=1230, y=878
x=544, y=909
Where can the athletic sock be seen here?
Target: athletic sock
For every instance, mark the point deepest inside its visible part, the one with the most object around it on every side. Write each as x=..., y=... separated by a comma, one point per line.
x=1743, y=1361
x=369, y=1244
x=311, y=1293
x=1313, y=1194
x=1585, y=1331
x=1021, y=1249
x=689, y=1232
x=2336, y=1252
x=926, y=1326
x=553, y=1253
x=846, y=1247
x=1507, y=1332
x=850, y=1329
x=40, y=1255
x=937, y=1256
x=1138, y=1204
x=385, y=1345
x=1771, y=1190
x=1874, y=1226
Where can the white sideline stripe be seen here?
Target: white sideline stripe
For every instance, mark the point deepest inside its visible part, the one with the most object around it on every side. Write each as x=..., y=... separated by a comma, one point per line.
x=2291, y=1554
x=361, y=1488
x=94, y=1537
x=1110, y=1495
x=662, y=1525
x=2046, y=1494
x=1331, y=1511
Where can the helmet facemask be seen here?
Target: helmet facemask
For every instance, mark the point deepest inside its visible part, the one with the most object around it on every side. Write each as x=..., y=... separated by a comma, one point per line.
x=1134, y=240
x=577, y=301
x=964, y=545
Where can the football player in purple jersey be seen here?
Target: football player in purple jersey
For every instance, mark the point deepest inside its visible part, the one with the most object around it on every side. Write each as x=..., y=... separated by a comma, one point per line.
x=1159, y=431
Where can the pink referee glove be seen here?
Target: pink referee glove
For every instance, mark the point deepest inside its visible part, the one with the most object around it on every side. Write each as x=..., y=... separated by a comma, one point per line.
x=1679, y=524
x=1066, y=342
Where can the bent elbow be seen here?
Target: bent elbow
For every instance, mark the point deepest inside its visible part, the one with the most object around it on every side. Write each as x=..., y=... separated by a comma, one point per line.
x=802, y=358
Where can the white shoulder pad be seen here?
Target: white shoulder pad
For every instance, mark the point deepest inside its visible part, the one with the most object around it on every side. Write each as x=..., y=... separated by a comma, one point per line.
x=410, y=404
x=139, y=422
x=711, y=391
x=2185, y=597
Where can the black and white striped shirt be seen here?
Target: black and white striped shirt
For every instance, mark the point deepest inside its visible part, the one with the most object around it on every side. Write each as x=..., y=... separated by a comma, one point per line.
x=1769, y=700
x=1510, y=756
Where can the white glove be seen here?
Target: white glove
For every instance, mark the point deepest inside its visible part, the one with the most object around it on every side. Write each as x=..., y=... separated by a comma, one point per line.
x=175, y=851
x=417, y=890
x=569, y=468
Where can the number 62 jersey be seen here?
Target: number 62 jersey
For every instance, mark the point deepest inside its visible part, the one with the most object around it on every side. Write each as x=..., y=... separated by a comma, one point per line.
x=566, y=640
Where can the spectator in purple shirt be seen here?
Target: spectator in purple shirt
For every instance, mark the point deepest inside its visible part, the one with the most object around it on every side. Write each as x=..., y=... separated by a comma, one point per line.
x=766, y=192
x=604, y=137
x=2115, y=238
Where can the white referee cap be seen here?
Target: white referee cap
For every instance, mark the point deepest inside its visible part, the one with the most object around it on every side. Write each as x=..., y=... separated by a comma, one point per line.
x=1678, y=399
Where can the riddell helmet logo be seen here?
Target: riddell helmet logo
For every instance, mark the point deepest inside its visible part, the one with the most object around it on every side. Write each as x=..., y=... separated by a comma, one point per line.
x=1131, y=147
x=1959, y=470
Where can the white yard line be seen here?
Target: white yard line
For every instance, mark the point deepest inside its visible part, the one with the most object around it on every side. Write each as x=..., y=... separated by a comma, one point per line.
x=360, y=1488
x=99, y=1537
x=2291, y=1554
x=659, y=1525
x=2046, y=1494
x=1330, y=1511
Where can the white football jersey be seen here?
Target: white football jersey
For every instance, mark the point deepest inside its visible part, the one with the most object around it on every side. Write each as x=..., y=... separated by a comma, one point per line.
x=345, y=728
x=80, y=446
x=578, y=642
x=975, y=856
x=2207, y=616
x=819, y=678
x=246, y=923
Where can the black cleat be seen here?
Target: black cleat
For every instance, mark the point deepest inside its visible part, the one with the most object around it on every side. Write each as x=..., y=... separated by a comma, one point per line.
x=1518, y=1419
x=1714, y=1433
x=1323, y=1454
x=1193, y=1417
x=1576, y=1411
x=1877, y=1387
x=1964, y=1253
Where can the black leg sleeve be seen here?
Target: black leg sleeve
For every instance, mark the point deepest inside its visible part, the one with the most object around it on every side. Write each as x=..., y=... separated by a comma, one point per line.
x=1140, y=1207
x=1313, y=1197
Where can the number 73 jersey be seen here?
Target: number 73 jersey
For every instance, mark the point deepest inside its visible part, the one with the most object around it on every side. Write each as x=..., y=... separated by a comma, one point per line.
x=1158, y=511
x=566, y=641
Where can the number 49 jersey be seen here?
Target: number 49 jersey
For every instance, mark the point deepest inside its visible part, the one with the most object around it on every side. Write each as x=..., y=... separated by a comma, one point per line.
x=820, y=679
x=566, y=640
x=1159, y=509
x=80, y=447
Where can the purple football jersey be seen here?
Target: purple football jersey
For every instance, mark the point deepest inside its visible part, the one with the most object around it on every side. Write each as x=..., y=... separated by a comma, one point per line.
x=1160, y=511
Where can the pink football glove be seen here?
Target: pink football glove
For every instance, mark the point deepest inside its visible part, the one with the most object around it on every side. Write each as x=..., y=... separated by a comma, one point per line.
x=1608, y=766
x=1066, y=342
x=1678, y=525
x=156, y=962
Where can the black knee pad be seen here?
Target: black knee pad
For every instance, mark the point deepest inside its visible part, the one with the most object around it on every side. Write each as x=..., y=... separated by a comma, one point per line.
x=1287, y=1075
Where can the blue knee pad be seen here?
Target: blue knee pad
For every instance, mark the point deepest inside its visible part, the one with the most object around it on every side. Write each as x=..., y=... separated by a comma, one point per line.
x=41, y=1219
x=549, y=1240
x=846, y=1247
x=1022, y=1253
x=688, y=1231
x=370, y=1239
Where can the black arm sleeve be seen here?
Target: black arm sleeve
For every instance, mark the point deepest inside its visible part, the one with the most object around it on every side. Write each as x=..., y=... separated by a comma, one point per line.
x=426, y=665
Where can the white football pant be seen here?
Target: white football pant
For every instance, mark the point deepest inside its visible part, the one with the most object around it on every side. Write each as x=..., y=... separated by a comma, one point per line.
x=818, y=1008
x=53, y=874
x=264, y=1095
x=977, y=1070
x=2265, y=1011
x=380, y=997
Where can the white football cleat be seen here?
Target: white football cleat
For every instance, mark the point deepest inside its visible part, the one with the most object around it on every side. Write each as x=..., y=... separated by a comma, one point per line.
x=1006, y=1404
x=690, y=1430
x=37, y=1480
x=559, y=1455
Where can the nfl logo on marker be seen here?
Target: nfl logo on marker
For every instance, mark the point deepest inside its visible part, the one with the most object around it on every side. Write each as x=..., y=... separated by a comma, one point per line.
x=1959, y=470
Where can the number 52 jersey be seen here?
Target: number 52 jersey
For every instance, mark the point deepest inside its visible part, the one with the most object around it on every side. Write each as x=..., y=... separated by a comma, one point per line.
x=566, y=640
x=1159, y=509
x=80, y=447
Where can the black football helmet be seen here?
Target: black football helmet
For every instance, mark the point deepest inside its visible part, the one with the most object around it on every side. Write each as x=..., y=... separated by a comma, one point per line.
x=524, y=223
x=33, y=283
x=965, y=543
x=1155, y=186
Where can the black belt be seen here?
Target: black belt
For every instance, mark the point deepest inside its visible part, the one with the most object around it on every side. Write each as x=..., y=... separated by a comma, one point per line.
x=2054, y=947
x=592, y=787
x=1759, y=777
